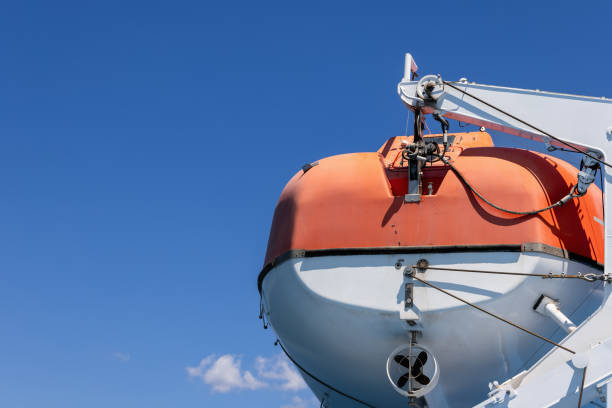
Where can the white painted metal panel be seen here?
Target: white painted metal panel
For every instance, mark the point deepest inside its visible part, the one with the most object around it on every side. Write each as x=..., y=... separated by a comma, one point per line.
x=339, y=317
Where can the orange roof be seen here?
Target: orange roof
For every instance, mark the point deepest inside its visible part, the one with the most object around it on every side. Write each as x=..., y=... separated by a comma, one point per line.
x=356, y=201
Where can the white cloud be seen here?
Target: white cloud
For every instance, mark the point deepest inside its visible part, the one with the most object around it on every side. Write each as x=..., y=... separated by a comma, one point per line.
x=224, y=374
x=197, y=371
x=279, y=368
x=297, y=402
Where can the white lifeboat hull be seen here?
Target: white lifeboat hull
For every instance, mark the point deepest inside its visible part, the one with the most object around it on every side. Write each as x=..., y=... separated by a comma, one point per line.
x=339, y=319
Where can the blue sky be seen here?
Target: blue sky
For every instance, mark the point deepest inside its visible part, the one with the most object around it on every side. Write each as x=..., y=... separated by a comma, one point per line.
x=143, y=146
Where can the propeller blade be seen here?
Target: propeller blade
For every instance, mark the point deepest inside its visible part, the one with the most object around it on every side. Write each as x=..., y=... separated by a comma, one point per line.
x=417, y=368
x=419, y=362
x=403, y=380
x=422, y=356
x=402, y=360
x=423, y=379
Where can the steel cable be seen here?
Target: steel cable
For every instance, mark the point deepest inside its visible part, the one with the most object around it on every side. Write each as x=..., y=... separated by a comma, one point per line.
x=431, y=285
x=589, y=277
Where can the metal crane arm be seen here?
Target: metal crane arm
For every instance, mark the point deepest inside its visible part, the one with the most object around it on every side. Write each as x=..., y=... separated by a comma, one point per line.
x=581, y=120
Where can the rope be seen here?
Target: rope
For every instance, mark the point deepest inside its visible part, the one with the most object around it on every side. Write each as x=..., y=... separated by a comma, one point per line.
x=464, y=181
x=431, y=285
x=527, y=124
x=589, y=277
x=321, y=381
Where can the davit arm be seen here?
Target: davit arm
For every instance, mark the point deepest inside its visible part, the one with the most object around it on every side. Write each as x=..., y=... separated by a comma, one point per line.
x=586, y=124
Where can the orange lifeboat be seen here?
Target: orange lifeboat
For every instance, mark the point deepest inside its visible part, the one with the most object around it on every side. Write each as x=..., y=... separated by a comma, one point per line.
x=335, y=289
x=355, y=202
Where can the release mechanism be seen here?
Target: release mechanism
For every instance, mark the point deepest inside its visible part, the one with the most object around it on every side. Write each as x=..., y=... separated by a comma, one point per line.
x=415, y=155
x=408, y=310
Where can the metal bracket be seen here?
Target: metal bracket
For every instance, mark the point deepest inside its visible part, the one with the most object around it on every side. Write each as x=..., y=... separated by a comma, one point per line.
x=498, y=392
x=414, y=181
x=409, y=311
x=408, y=294
x=588, y=169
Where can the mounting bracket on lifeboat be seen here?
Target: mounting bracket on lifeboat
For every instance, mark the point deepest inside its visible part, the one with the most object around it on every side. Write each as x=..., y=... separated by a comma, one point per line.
x=414, y=154
x=417, y=153
x=579, y=122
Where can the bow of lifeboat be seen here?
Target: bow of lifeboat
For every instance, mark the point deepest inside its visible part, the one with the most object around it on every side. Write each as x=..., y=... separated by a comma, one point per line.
x=334, y=286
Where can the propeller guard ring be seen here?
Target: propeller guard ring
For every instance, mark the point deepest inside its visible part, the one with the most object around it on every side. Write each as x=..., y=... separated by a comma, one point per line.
x=430, y=368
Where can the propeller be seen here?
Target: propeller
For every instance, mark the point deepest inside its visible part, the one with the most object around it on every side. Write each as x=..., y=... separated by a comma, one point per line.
x=416, y=369
x=412, y=369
